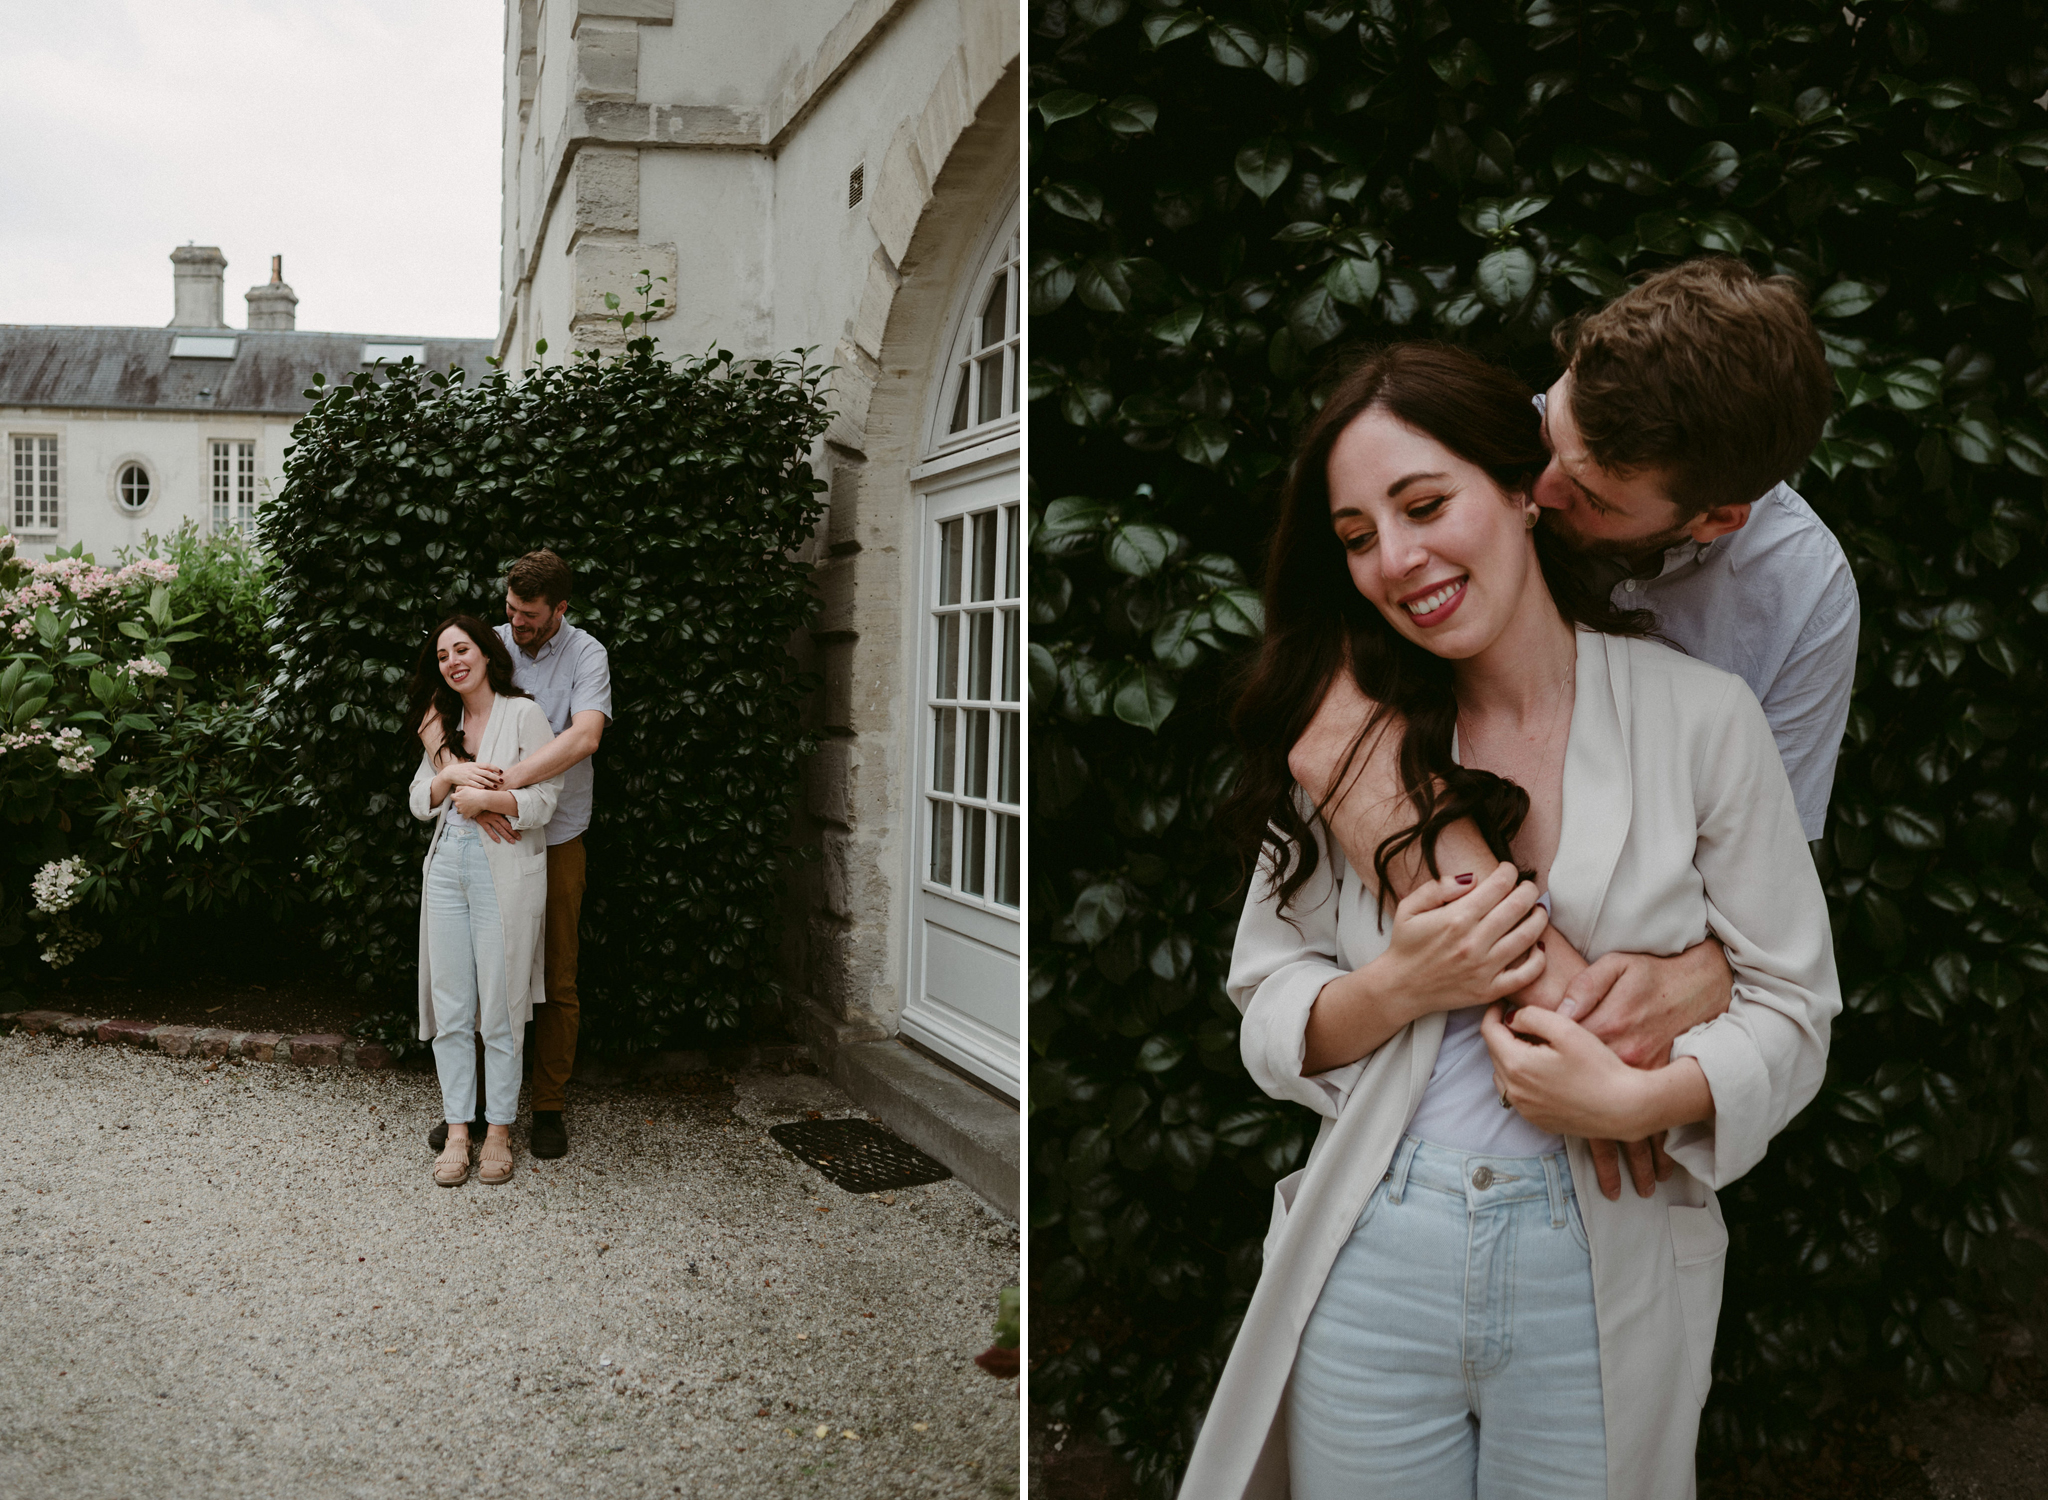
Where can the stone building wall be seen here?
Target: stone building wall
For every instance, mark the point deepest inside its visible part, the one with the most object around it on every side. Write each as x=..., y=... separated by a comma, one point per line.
x=719, y=143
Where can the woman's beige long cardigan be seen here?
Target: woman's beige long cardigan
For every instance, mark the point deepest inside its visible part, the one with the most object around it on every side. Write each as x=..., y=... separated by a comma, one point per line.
x=519, y=871
x=1678, y=821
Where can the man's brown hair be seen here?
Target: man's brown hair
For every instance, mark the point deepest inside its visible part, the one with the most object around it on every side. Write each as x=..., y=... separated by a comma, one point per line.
x=540, y=575
x=1705, y=371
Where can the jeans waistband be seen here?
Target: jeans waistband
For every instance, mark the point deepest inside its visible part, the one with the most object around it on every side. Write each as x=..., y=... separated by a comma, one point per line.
x=458, y=831
x=1482, y=1181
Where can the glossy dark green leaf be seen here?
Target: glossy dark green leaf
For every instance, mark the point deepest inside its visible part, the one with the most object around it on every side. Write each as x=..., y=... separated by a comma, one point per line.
x=1145, y=696
x=1236, y=46
x=1064, y=104
x=1264, y=165
x=1140, y=549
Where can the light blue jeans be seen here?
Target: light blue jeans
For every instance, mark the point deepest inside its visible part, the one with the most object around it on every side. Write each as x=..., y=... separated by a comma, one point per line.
x=1453, y=1351
x=466, y=954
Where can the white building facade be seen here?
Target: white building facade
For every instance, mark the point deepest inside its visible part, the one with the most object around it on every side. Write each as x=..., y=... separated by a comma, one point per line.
x=840, y=176
x=112, y=434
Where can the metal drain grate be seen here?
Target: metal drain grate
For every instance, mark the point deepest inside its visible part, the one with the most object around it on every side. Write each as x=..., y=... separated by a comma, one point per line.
x=859, y=1155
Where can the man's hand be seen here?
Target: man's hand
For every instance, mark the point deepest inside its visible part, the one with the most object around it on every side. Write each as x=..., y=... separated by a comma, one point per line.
x=496, y=826
x=1639, y=1006
x=474, y=774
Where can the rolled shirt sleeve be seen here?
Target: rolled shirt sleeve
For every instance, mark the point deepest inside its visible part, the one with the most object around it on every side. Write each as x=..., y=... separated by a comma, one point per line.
x=1765, y=1058
x=1807, y=704
x=536, y=803
x=419, y=796
x=591, y=684
x=1278, y=966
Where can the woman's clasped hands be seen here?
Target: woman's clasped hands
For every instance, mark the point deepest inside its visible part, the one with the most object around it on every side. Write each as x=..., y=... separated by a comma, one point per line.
x=470, y=785
x=1466, y=939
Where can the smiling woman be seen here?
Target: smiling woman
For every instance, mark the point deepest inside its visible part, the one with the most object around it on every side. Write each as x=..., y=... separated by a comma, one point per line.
x=1452, y=1187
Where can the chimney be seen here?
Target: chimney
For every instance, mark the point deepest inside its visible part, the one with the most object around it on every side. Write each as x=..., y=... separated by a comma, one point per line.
x=272, y=306
x=198, y=272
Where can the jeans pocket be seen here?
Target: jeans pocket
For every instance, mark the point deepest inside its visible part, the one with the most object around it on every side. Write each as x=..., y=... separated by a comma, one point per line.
x=1699, y=1247
x=1577, y=1222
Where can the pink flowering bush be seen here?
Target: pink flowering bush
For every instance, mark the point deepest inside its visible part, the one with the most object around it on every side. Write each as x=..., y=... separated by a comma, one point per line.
x=90, y=701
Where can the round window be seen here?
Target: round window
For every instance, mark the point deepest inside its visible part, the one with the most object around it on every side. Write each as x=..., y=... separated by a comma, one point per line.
x=133, y=487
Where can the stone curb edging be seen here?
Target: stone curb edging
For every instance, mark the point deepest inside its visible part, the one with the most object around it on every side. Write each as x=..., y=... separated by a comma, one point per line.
x=329, y=1049
x=324, y=1049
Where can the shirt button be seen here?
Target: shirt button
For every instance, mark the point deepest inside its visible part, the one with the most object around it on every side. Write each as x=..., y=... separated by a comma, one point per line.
x=1483, y=1178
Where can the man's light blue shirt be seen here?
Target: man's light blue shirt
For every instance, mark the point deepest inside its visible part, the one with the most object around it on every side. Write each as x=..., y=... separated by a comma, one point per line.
x=1774, y=603
x=569, y=674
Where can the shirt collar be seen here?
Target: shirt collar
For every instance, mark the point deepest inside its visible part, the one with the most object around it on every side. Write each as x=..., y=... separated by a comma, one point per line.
x=550, y=645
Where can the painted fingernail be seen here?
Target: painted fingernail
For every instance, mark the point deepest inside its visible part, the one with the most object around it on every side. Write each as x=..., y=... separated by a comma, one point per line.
x=1464, y=880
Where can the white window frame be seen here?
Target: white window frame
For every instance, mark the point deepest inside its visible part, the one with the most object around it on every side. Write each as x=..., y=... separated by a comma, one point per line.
x=26, y=508
x=948, y=709
x=968, y=353
x=231, y=469
x=122, y=464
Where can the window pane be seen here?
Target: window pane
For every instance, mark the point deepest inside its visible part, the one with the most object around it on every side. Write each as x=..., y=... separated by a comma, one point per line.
x=989, y=380
x=984, y=556
x=1010, y=633
x=982, y=653
x=944, y=731
x=977, y=752
x=1010, y=552
x=942, y=842
x=974, y=851
x=992, y=315
x=1009, y=864
x=952, y=539
x=1011, y=783
x=959, y=422
x=949, y=657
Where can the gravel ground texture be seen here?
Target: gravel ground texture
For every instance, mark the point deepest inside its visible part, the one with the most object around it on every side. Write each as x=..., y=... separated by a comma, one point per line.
x=238, y=1279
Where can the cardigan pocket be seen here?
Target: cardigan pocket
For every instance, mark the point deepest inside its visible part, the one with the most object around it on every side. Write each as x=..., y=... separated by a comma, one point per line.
x=1699, y=1246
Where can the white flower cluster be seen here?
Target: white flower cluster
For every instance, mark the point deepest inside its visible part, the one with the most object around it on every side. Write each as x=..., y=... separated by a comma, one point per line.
x=140, y=796
x=145, y=666
x=65, y=941
x=56, y=884
x=73, y=753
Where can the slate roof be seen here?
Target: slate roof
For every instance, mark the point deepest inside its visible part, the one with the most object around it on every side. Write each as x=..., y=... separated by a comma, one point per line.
x=131, y=369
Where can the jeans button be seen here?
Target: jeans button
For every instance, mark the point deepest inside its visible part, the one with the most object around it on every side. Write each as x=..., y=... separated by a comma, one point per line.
x=1483, y=1178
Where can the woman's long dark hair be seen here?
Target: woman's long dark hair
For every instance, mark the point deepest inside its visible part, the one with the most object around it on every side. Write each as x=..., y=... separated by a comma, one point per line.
x=429, y=690
x=1316, y=619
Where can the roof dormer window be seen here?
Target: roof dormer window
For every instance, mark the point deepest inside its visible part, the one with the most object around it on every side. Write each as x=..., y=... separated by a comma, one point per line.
x=202, y=346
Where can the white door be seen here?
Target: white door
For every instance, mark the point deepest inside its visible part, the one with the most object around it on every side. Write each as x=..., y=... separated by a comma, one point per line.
x=964, y=1001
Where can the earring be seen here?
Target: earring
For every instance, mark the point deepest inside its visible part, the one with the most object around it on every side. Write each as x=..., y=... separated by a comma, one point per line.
x=1529, y=520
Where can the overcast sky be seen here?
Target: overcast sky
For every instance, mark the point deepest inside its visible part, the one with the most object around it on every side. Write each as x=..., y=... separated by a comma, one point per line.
x=357, y=138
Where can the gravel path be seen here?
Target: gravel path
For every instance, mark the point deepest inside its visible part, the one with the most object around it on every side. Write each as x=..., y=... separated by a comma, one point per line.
x=242, y=1282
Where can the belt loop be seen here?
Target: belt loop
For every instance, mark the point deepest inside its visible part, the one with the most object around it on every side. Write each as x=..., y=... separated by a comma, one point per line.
x=1397, y=1175
x=1553, y=1173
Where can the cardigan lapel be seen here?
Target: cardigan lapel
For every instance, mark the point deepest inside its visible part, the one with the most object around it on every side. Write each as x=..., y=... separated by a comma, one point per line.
x=1597, y=790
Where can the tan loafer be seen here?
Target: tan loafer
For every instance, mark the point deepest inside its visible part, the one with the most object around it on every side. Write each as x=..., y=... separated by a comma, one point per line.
x=451, y=1167
x=494, y=1161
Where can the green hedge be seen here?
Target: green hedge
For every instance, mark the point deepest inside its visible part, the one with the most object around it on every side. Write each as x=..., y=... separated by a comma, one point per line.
x=679, y=494
x=1223, y=195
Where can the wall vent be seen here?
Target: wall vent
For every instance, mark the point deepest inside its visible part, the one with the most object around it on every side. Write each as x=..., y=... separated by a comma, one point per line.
x=856, y=184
